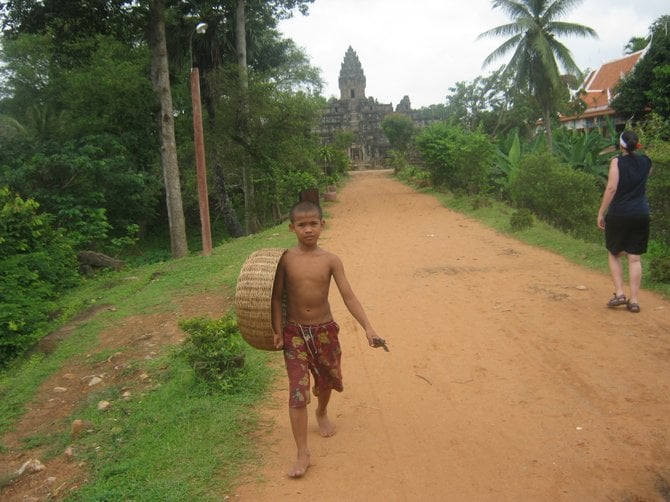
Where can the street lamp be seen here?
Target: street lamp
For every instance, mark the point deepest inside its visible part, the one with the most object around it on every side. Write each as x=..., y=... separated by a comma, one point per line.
x=201, y=169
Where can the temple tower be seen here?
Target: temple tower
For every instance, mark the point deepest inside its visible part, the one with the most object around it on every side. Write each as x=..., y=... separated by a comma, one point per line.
x=352, y=78
x=359, y=115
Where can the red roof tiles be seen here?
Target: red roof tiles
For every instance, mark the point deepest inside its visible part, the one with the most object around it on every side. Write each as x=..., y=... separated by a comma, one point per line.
x=599, y=85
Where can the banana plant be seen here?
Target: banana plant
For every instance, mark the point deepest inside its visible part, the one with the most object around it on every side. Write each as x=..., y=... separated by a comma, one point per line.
x=588, y=151
x=508, y=154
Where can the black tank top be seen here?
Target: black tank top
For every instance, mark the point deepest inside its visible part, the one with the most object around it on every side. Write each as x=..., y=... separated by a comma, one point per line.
x=630, y=197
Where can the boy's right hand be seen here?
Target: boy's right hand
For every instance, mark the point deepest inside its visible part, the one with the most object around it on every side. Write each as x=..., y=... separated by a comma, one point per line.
x=278, y=340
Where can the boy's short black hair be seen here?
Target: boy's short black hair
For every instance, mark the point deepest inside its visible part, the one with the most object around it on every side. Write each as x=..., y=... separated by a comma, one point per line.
x=304, y=206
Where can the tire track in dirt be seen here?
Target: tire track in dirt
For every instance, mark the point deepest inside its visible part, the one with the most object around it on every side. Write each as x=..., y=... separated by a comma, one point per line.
x=505, y=381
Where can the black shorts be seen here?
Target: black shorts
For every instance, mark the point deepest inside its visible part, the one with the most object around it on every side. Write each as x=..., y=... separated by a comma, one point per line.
x=628, y=233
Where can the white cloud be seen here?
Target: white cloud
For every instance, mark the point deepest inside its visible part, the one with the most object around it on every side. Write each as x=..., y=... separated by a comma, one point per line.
x=421, y=48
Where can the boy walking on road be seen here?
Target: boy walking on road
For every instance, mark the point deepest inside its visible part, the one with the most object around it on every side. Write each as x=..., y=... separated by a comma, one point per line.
x=310, y=336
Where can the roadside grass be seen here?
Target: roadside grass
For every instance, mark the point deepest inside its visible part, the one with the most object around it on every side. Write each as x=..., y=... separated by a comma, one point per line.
x=177, y=441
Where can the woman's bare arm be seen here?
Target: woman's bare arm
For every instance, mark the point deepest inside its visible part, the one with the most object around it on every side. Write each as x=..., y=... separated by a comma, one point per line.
x=610, y=190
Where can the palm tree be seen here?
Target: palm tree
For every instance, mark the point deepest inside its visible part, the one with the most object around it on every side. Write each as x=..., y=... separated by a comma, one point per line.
x=537, y=52
x=635, y=44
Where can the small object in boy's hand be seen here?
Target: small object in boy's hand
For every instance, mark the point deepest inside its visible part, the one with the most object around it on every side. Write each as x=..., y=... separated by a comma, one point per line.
x=380, y=342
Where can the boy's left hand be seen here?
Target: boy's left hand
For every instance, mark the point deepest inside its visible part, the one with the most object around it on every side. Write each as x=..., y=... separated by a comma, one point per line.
x=380, y=342
x=376, y=341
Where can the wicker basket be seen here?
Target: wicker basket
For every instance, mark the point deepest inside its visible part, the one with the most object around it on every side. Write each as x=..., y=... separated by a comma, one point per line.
x=253, y=297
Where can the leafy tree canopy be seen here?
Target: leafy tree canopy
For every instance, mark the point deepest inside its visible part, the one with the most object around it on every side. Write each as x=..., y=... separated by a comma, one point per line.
x=399, y=129
x=647, y=87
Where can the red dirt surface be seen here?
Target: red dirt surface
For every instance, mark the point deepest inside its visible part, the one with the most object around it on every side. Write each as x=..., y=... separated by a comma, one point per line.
x=507, y=377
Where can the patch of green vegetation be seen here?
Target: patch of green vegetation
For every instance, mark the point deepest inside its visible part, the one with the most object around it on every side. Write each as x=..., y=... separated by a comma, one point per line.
x=54, y=443
x=179, y=441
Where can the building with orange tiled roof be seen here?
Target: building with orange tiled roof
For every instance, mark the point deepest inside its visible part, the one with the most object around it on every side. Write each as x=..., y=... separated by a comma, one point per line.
x=598, y=93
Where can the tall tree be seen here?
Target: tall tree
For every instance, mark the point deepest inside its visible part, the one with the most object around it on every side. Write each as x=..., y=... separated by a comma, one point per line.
x=161, y=78
x=250, y=222
x=537, y=52
x=635, y=44
x=647, y=87
x=256, y=47
x=74, y=32
x=270, y=60
x=399, y=129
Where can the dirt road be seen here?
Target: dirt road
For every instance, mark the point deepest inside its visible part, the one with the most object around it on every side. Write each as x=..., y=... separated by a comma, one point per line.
x=507, y=380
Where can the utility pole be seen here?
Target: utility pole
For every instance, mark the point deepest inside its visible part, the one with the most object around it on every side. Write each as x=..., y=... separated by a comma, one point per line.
x=198, y=139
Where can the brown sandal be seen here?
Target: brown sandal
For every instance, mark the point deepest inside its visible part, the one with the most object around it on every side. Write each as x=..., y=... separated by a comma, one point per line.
x=617, y=301
x=633, y=307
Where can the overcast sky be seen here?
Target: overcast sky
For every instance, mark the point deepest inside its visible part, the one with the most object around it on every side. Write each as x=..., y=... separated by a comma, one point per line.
x=421, y=48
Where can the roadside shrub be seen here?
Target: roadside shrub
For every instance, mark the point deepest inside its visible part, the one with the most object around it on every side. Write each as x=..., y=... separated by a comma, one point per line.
x=658, y=256
x=215, y=350
x=398, y=161
x=93, y=187
x=521, y=220
x=399, y=129
x=480, y=201
x=556, y=193
x=37, y=262
x=290, y=185
x=659, y=269
x=584, y=151
x=658, y=191
x=417, y=176
x=456, y=159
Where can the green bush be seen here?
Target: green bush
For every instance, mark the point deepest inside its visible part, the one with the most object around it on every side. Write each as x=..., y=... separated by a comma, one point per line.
x=521, y=220
x=398, y=161
x=414, y=175
x=481, y=201
x=456, y=159
x=658, y=191
x=399, y=129
x=92, y=186
x=659, y=269
x=292, y=183
x=565, y=198
x=584, y=151
x=215, y=350
x=36, y=263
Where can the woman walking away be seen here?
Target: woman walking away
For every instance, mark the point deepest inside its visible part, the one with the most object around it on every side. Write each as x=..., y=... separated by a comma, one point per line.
x=624, y=215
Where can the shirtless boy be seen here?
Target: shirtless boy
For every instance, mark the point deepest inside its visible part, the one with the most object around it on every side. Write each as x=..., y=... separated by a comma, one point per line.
x=310, y=336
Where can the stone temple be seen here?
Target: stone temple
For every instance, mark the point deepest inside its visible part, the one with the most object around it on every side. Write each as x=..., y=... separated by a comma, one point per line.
x=360, y=115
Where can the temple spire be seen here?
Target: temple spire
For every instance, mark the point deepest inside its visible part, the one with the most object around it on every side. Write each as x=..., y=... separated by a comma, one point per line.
x=352, y=78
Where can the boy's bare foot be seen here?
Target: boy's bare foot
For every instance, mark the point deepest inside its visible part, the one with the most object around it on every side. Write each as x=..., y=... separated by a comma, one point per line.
x=300, y=467
x=326, y=428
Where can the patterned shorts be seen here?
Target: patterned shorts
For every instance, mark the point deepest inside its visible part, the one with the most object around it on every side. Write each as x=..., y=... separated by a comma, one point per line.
x=314, y=349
